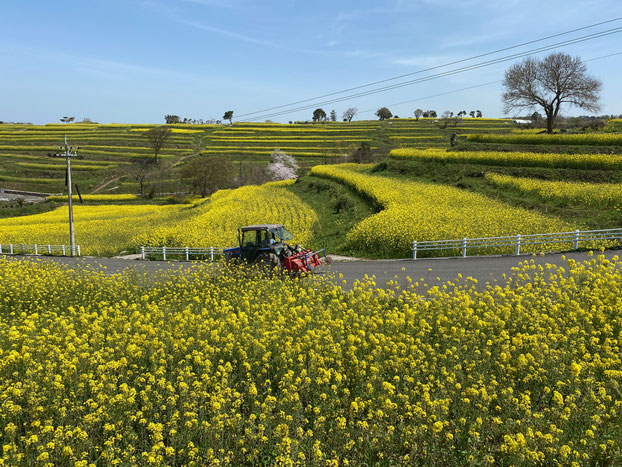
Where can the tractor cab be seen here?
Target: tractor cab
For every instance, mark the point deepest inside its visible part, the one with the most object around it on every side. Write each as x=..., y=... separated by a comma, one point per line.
x=255, y=240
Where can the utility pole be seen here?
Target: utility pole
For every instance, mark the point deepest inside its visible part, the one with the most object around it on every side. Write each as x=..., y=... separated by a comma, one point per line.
x=68, y=154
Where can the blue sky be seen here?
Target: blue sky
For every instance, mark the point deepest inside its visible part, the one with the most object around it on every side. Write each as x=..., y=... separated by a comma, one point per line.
x=137, y=60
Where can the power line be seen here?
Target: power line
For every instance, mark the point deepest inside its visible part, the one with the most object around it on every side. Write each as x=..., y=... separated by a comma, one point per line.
x=448, y=73
x=471, y=87
x=603, y=56
x=436, y=95
x=431, y=68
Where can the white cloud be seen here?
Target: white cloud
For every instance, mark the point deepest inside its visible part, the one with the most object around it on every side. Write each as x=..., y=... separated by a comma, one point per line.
x=104, y=68
x=245, y=38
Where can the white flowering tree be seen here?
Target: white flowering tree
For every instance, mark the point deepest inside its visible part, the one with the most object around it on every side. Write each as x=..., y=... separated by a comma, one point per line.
x=282, y=166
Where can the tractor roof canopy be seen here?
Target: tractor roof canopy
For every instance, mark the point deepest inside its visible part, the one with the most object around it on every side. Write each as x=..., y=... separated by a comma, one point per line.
x=276, y=229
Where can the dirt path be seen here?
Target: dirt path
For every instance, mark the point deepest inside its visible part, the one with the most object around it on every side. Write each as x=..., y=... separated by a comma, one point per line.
x=105, y=184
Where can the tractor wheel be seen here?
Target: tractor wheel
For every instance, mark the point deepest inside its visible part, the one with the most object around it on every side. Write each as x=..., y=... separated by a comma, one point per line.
x=268, y=264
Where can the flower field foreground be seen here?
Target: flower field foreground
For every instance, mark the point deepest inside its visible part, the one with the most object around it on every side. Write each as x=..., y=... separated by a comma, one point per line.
x=217, y=367
x=601, y=195
x=592, y=139
x=520, y=159
x=426, y=211
x=216, y=222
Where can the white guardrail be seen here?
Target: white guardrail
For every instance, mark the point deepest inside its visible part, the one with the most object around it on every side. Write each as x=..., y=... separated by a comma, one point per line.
x=517, y=241
x=185, y=252
x=20, y=249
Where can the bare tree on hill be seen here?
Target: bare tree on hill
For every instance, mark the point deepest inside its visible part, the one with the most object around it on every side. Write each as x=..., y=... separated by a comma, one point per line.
x=205, y=175
x=156, y=138
x=549, y=83
x=349, y=114
x=140, y=172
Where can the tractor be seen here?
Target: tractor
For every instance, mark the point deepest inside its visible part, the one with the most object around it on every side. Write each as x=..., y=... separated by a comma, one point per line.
x=265, y=245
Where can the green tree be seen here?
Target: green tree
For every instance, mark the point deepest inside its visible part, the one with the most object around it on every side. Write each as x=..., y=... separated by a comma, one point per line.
x=363, y=154
x=228, y=116
x=319, y=115
x=383, y=113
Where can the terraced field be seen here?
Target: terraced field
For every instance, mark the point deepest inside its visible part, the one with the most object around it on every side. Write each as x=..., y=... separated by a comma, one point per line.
x=111, y=151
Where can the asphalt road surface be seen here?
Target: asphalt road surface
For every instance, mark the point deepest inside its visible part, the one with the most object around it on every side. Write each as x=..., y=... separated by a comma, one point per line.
x=431, y=271
x=436, y=271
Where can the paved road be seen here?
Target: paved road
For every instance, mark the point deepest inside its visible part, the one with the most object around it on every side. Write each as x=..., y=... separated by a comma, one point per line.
x=432, y=271
x=11, y=195
x=440, y=270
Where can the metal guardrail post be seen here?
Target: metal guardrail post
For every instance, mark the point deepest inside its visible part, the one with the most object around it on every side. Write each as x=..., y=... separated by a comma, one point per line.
x=517, y=244
x=464, y=247
x=64, y=252
x=11, y=248
x=0, y=248
x=23, y=249
x=187, y=256
x=49, y=249
x=576, y=239
x=415, y=249
x=36, y=250
x=142, y=252
x=164, y=253
x=78, y=248
x=211, y=253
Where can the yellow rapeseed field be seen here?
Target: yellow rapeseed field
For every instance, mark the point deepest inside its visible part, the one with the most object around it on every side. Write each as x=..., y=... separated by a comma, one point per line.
x=173, y=130
x=521, y=159
x=426, y=211
x=215, y=222
x=222, y=368
x=592, y=139
x=100, y=230
x=108, y=229
x=601, y=195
